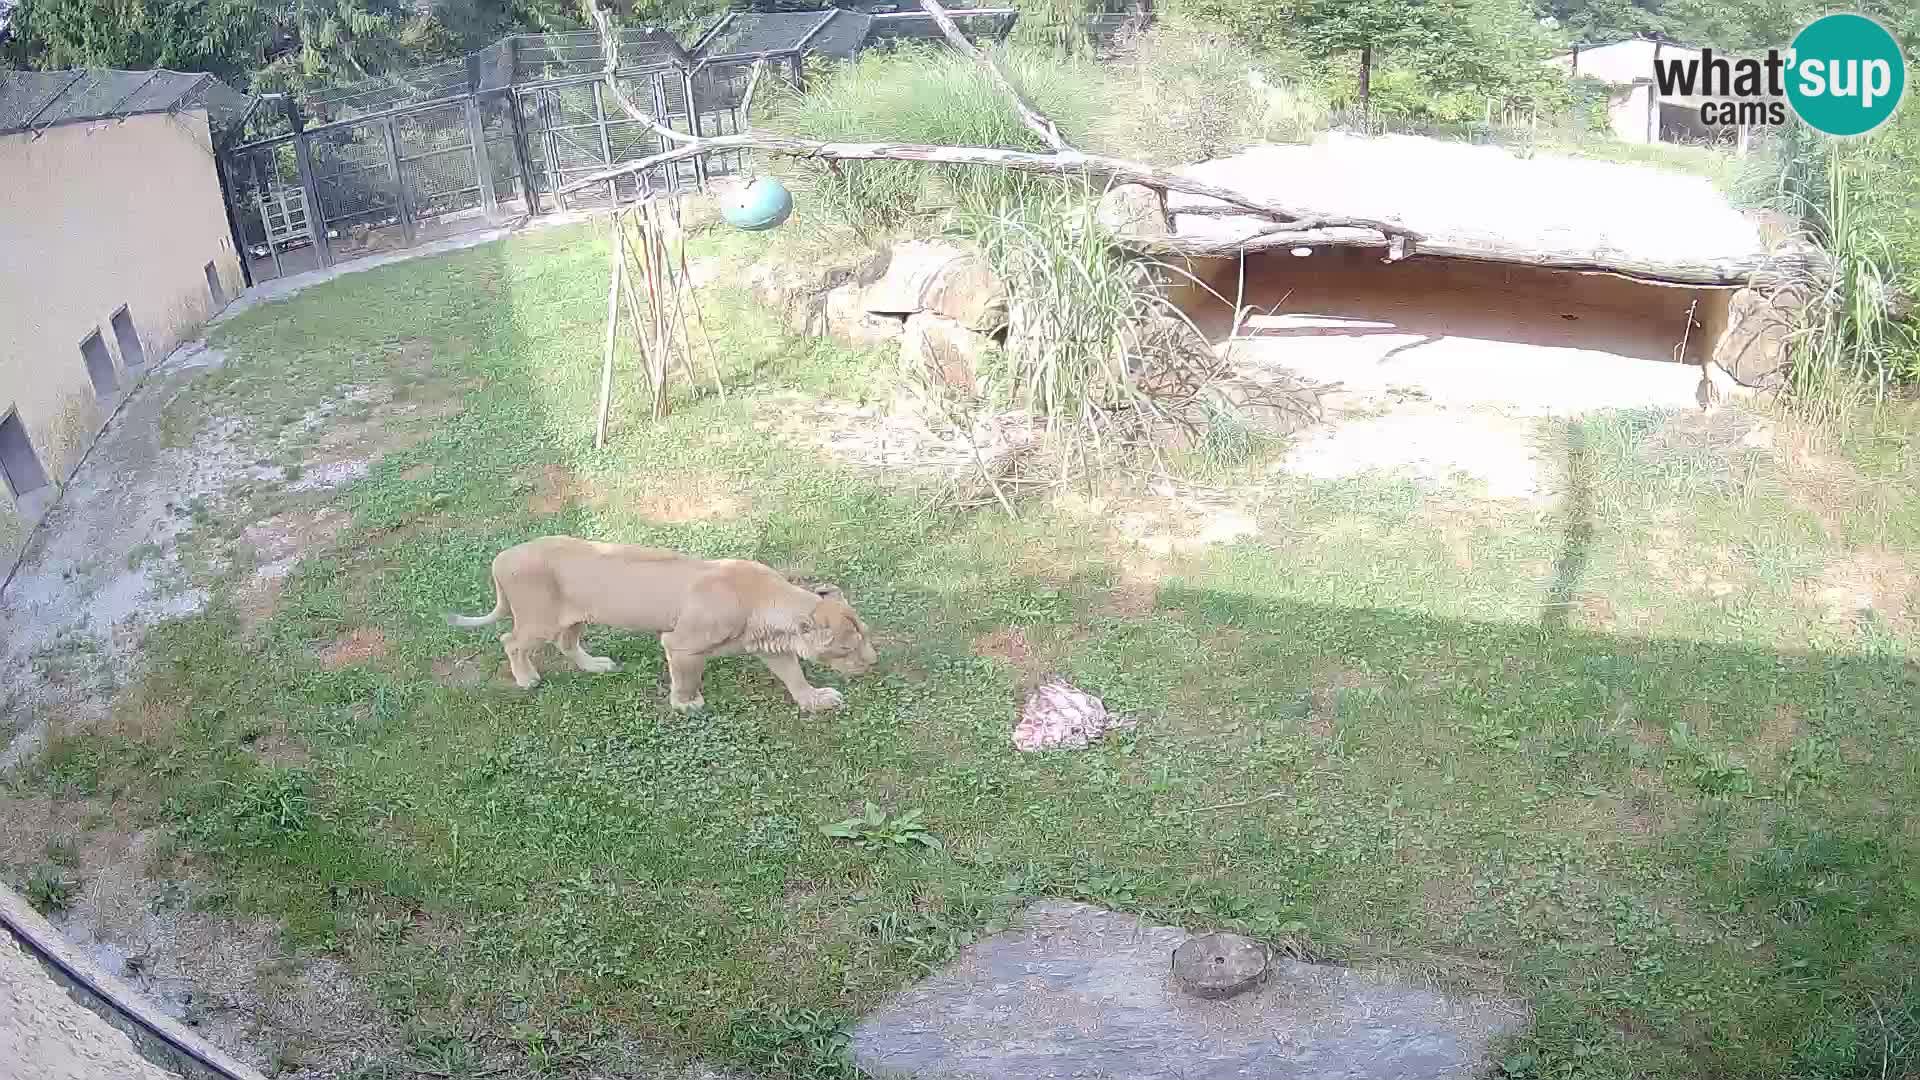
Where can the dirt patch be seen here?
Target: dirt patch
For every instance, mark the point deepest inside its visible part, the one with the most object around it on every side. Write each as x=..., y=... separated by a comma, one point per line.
x=1130, y=599
x=1330, y=680
x=671, y=499
x=554, y=489
x=1777, y=734
x=898, y=438
x=465, y=670
x=1009, y=645
x=230, y=979
x=347, y=449
x=363, y=646
x=278, y=544
x=417, y=472
x=1875, y=582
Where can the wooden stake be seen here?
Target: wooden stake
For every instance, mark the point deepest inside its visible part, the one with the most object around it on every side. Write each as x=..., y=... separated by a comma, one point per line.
x=616, y=275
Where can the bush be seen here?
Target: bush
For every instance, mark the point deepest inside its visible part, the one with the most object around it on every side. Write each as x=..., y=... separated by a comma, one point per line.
x=928, y=94
x=1185, y=95
x=1859, y=200
x=1181, y=96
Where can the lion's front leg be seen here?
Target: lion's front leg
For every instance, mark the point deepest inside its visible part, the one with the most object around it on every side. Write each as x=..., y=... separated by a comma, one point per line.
x=786, y=668
x=685, y=671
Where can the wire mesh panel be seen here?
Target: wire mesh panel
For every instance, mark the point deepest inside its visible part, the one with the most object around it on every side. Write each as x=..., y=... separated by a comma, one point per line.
x=270, y=208
x=435, y=151
x=354, y=179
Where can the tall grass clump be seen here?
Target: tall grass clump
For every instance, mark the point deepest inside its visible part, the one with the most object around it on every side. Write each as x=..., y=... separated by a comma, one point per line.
x=928, y=94
x=1859, y=200
x=1095, y=347
x=1185, y=94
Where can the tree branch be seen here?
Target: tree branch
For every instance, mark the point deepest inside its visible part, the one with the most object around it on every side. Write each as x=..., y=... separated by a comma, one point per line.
x=610, y=45
x=1065, y=163
x=1031, y=117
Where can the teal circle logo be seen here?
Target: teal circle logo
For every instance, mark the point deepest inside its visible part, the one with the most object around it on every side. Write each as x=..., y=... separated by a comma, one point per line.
x=1847, y=74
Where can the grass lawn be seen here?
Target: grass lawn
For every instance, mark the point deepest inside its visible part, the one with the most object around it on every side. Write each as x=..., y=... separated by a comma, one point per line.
x=1647, y=759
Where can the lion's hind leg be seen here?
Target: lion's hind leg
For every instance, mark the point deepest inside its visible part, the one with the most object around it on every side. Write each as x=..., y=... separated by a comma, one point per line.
x=570, y=645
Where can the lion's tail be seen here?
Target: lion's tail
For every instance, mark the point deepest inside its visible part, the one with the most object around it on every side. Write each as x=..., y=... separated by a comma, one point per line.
x=491, y=617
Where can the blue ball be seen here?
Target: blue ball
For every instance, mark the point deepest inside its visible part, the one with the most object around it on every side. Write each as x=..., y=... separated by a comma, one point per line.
x=758, y=206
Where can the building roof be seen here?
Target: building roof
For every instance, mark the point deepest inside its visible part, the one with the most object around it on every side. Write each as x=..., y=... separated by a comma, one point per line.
x=37, y=100
x=839, y=31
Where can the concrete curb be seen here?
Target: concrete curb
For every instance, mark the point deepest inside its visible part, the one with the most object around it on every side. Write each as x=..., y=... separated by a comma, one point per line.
x=158, y=1037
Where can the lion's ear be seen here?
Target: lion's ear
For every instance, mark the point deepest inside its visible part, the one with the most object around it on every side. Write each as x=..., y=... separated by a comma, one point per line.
x=816, y=627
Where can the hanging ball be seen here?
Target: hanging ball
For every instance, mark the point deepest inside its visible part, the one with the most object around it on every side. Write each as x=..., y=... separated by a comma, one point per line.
x=760, y=205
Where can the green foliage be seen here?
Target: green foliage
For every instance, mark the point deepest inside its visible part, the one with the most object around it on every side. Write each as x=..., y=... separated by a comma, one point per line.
x=218, y=36
x=1859, y=200
x=805, y=1044
x=1184, y=95
x=875, y=828
x=51, y=889
x=928, y=94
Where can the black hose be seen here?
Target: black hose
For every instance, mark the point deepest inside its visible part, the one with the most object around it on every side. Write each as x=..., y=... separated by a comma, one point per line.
x=86, y=982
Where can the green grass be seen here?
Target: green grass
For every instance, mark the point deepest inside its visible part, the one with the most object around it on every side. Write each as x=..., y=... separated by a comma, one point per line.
x=1519, y=750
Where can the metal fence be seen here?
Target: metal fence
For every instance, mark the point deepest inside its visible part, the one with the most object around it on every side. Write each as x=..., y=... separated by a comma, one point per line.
x=422, y=171
x=456, y=146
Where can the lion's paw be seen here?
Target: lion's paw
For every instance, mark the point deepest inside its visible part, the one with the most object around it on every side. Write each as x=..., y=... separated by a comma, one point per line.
x=822, y=699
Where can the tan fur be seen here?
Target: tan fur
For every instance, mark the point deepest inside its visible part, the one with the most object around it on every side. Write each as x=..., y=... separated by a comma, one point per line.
x=701, y=608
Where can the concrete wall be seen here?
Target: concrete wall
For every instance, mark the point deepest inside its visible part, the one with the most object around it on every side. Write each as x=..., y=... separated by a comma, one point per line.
x=1462, y=300
x=1628, y=115
x=97, y=215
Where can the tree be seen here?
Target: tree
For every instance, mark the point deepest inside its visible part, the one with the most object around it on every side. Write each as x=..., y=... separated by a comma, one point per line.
x=217, y=36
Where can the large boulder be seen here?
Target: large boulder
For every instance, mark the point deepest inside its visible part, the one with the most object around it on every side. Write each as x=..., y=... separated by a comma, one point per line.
x=1752, y=345
x=942, y=278
x=1134, y=210
x=967, y=291
x=848, y=320
x=799, y=293
x=944, y=349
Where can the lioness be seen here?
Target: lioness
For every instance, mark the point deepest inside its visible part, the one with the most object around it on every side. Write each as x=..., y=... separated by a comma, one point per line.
x=701, y=608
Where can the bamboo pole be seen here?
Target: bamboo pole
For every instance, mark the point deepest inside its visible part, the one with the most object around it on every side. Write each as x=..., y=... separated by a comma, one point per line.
x=616, y=273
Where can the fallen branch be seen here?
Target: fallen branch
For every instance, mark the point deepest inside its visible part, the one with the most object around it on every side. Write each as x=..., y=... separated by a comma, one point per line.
x=610, y=47
x=1063, y=161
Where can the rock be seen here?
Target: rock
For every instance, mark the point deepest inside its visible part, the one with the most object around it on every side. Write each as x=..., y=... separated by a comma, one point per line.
x=1216, y=966
x=805, y=313
x=942, y=278
x=967, y=291
x=910, y=269
x=948, y=352
x=798, y=293
x=1752, y=345
x=1075, y=990
x=848, y=320
x=1134, y=210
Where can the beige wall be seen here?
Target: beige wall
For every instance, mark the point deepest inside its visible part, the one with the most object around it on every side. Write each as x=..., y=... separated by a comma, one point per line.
x=93, y=216
x=1628, y=116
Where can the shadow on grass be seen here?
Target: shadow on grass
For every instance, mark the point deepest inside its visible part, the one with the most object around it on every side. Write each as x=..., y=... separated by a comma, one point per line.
x=1502, y=805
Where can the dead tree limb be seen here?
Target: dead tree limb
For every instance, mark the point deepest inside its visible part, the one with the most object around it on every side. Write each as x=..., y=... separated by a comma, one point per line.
x=1035, y=121
x=1063, y=161
x=610, y=47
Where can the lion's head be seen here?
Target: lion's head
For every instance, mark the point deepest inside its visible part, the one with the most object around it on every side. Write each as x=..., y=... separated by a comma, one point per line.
x=839, y=638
